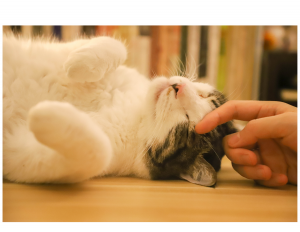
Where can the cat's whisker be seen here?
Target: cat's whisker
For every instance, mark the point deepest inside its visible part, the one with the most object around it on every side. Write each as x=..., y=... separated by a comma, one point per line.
x=169, y=71
x=191, y=72
x=236, y=89
x=245, y=86
x=151, y=135
x=153, y=138
x=154, y=75
x=147, y=148
x=155, y=131
x=175, y=66
x=233, y=93
x=209, y=144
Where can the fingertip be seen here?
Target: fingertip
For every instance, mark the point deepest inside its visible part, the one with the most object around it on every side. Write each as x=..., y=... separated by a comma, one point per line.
x=208, y=123
x=264, y=172
x=198, y=128
x=201, y=128
x=252, y=158
x=233, y=139
x=281, y=179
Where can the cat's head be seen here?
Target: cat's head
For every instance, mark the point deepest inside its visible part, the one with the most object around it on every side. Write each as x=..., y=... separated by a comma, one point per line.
x=174, y=150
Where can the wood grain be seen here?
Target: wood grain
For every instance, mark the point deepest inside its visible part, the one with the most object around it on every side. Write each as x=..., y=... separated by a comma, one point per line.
x=130, y=199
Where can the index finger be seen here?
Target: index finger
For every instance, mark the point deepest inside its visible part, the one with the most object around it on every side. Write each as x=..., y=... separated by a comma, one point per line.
x=241, y=110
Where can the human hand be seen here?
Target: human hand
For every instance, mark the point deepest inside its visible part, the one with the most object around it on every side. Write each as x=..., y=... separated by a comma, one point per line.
x=272, y=129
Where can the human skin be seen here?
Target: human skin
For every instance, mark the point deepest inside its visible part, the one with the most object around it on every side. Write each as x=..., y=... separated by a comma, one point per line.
x=266, y=149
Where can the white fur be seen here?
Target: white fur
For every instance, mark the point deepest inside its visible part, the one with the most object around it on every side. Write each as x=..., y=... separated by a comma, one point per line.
x=71, y=111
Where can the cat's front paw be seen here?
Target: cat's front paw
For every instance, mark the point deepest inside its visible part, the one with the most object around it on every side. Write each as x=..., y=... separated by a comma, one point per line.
x=49, y=120
x=93, y=61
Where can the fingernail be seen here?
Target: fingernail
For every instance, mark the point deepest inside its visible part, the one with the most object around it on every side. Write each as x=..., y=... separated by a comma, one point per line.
x=282, y=179
x=233, y=139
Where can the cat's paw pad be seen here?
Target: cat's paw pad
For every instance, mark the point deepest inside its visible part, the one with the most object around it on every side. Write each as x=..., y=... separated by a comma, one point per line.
x=93, y=61
x=49, y=119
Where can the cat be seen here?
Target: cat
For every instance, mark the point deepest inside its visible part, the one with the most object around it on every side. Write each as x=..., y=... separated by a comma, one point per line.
x=72, y=111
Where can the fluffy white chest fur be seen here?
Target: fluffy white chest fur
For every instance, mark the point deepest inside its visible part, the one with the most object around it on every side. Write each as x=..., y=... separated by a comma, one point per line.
x=71, y=112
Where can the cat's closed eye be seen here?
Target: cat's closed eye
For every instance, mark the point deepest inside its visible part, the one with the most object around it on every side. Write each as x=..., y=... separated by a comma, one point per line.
x=203, y=95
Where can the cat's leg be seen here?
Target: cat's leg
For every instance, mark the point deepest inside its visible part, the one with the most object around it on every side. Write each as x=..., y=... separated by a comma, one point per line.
x=92, y=61
x=66, y=146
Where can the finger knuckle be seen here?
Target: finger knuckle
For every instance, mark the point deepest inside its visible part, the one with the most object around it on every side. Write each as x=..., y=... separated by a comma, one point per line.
x=252, y=125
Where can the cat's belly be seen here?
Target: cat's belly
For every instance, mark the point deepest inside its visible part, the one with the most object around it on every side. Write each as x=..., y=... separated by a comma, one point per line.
x=114, y=103
x=117, y=90
x=121, y=126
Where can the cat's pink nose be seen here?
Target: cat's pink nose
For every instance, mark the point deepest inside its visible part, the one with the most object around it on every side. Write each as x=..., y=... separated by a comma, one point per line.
x=178, y=88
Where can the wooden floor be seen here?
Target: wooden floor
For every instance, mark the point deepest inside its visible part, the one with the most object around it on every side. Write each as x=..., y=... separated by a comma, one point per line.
x=128, y=199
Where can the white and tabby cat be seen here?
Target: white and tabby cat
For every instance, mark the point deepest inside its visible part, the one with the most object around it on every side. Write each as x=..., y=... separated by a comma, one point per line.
x=71, y=112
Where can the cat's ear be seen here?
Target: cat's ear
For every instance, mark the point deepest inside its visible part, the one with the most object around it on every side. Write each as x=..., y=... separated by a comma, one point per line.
x=200, y=172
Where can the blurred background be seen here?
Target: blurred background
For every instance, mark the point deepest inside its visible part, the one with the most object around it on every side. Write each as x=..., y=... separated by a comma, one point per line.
x=243, y=62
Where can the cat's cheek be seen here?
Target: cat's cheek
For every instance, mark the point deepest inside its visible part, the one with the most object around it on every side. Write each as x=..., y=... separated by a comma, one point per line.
x=196, y=109
x=206, y=108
